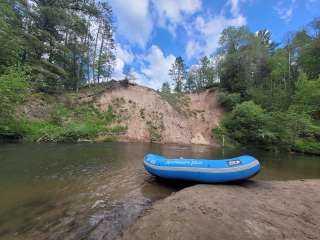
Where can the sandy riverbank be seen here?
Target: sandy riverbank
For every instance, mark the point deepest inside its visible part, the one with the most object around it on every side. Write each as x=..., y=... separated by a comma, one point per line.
x=250, y=210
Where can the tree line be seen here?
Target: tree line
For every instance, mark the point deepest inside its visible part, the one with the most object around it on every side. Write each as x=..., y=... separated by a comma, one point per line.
x=61, y=44
x=197, y=77
x=271, y=91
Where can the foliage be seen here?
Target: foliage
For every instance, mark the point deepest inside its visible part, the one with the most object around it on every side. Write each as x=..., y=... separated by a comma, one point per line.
x=307, y=96
x=64, y=124
x=243, y=59
x=307, y=146
x=221, y=134
x=14, y=86
x=65, y=43
x=192, y=80
x=229, y=100
x=280, y=88
x=246, y=122
x=165, y=89
x=309, y=57
x=50, y=47
x=178, y=73
x=177, y=100
x=271, y=100
x=206, y=73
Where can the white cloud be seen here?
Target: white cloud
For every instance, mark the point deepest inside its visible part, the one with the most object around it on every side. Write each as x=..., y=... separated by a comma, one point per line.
x=172, y=12
x=234, y=7
x=123, y=56
x=193, y=48
x=134, y=21
x=285, y=10
x=205, y=32
x=155, y=67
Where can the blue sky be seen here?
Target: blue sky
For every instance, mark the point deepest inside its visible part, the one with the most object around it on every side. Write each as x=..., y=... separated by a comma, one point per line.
x=151, y=33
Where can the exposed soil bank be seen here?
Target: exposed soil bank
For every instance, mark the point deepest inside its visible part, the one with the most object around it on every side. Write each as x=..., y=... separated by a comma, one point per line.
x=146, y=115
x=151, y=118
x=250, y=210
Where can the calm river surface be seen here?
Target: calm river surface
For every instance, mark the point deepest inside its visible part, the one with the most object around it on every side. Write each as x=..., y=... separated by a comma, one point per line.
x=95, y=190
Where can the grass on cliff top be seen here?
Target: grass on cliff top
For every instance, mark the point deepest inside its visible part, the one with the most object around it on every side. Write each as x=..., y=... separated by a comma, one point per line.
x=179, y=101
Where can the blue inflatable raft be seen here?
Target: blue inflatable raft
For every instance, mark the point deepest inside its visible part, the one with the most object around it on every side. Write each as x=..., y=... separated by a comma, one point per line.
x=201, y=170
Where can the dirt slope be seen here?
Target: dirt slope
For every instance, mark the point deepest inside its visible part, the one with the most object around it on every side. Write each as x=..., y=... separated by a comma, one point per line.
x=253, y=210
x=150, y=117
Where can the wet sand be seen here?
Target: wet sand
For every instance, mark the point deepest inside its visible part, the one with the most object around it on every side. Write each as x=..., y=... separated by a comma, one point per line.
x=249, y=210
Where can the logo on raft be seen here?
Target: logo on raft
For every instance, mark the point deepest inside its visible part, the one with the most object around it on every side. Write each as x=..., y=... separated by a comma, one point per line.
x=234, y=162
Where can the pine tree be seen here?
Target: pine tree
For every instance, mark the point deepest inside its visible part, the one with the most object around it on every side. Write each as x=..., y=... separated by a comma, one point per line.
x=177, y=73
x=206, y=73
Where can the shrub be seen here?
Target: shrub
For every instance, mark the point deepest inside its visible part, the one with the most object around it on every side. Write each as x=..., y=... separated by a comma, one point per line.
x=270, y=99
x=66, y=124
x=245, y=123
x=229, y=100
x=221, y=134
x=14, y=86
x=307, y=97
x=307, y=146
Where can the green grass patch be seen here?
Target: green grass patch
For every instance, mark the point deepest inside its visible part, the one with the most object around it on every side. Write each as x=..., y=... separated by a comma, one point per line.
x=179, y=101
x=65, y=124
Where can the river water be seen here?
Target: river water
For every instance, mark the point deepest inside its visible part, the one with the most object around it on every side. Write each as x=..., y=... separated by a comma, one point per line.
x=96, y=190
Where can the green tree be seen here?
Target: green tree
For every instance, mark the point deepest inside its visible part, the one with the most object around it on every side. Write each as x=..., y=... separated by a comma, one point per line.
x=14, y=86
x=12, y=40
x=65, y=43
x=232, y=67
x=307, y=96
x=177, y=73
x=309, y=58
x=246, y=123
x=244, y=59
x=265, y=38
x=192, y=80
x=206, y=73
x=165, y=89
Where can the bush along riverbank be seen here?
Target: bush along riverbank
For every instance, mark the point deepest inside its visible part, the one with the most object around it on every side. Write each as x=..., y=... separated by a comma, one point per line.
x=83, y=123
x=295, y=129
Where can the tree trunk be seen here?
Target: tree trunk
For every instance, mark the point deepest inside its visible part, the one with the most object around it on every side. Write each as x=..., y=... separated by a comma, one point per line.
x=95, y=53
x=99, y=58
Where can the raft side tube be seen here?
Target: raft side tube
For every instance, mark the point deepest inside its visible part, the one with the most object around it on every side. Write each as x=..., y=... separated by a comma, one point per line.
x=203, y=170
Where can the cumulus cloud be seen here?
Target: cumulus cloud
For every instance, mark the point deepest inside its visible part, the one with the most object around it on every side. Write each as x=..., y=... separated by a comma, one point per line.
x=133, y=20
x=123, y=56
x=285, y=10
x=205, y=32
x=234, y=7
x=170, y=13
x=155, y=67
